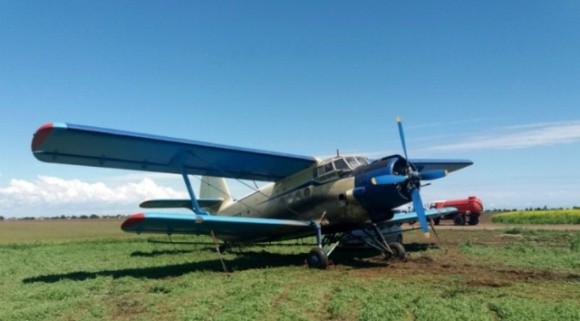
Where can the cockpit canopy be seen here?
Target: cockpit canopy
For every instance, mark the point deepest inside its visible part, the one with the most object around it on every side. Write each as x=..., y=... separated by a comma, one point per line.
x=340, y=164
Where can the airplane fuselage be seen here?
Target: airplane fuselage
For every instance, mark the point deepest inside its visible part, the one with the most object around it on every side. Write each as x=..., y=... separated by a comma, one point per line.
x=330, y=191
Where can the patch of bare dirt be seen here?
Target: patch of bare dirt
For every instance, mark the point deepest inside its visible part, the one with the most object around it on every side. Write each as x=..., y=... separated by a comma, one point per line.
x=474, y=273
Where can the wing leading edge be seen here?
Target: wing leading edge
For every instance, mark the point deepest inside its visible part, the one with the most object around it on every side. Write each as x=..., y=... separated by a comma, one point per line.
x=99, y=147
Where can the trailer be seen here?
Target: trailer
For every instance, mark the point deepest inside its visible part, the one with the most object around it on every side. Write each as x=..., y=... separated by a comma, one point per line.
x=468, y=210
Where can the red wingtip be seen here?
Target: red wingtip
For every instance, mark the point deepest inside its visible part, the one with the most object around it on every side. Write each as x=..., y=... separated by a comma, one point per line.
x=132, y=221
x=41, y=135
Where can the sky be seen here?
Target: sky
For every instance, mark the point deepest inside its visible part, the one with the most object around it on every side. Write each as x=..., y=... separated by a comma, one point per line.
x=496, y=82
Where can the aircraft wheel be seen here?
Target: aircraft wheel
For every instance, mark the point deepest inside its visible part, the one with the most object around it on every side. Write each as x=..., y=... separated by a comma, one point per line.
x=399, y=250
x=317, y=258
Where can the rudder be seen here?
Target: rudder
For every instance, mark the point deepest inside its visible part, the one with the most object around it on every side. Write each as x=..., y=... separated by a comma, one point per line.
x=215, y=188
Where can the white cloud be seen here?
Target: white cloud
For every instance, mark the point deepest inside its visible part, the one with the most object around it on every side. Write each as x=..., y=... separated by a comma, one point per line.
x=49, y=196
x=517, y=137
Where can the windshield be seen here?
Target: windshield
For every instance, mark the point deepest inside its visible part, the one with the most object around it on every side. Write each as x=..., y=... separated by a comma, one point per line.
x=340, y=164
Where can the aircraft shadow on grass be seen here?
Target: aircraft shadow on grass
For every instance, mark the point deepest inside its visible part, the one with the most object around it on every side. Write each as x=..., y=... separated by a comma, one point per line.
x=159, y=253
x=244, y=260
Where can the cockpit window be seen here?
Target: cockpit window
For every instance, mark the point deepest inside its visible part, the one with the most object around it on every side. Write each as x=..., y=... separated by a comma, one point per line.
x=363, y=160
x=352, y=162
x=339, y=164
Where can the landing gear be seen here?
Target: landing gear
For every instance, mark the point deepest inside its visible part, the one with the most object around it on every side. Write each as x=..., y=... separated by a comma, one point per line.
x=373, y=238
x=317, y=258
x=398, y=251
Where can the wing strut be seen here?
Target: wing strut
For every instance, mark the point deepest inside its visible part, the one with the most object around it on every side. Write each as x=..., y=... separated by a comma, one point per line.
x=217, y=248
x=194, y=204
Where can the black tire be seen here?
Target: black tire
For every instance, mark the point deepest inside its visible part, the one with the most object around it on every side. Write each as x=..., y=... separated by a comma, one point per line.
x=473, y=219
x=459, y=219
x=437, y=220
x=399, y=250
x=317, y=258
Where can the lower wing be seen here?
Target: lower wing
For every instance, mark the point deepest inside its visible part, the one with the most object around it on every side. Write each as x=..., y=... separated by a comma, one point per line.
x=241, y=229
x=227, y=228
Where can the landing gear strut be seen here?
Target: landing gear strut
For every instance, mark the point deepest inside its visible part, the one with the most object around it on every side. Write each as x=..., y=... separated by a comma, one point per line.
x=318, y=256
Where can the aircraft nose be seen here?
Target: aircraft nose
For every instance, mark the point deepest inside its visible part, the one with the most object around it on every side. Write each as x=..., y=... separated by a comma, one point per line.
x=377, y=196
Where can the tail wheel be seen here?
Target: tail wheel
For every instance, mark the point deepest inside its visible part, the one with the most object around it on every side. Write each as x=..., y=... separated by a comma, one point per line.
x=317, y=258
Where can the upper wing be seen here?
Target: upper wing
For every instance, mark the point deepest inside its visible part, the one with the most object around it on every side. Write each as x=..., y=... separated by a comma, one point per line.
x=91, y=146
x=438, y=164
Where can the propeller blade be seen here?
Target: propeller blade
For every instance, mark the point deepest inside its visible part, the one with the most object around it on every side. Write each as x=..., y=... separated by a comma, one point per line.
x=431, y=175
x=402, y=136
x=388, y=179
x=418, y=207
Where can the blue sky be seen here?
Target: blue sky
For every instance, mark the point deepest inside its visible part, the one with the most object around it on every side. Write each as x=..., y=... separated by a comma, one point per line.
x=497, y=82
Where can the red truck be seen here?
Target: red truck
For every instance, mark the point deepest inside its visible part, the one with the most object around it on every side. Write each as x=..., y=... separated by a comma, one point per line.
x=468, y=210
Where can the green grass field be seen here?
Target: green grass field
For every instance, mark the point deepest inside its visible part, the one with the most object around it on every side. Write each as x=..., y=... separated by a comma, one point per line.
x=63, y=271
x=539, y=217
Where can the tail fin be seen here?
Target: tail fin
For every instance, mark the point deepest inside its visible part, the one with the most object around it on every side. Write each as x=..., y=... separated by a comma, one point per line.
x=215, y=188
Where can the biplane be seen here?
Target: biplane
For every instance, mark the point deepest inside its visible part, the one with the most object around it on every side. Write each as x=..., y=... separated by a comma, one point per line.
x=306, y=196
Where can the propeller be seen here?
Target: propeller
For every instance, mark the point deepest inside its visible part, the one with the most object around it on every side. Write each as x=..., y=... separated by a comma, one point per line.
x=413, y=178
x=402, y=135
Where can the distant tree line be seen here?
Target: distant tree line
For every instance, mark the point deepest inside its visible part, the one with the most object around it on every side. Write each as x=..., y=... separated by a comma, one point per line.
x=66, y=217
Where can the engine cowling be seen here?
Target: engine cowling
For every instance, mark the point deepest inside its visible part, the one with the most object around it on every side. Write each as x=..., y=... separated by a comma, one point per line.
x=379, y=199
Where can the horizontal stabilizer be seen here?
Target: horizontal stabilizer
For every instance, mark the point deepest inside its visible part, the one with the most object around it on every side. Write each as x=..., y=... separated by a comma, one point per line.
x=184, y=203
